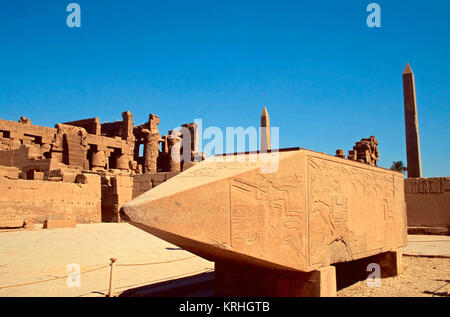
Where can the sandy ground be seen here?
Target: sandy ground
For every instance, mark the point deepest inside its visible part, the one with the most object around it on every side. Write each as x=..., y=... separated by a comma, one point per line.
x=422, y=276
x=27, y=256
x=426, y=271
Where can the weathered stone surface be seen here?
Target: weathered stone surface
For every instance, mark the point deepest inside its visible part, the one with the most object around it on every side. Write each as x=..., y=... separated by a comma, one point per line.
x=232, y=280
x=340, y=153
x=98, y=159
x=365, y=151
x=191, y=145
x=428, y=202
x=37, y=200
x=28, y=223
x=35, y=175
x=9, y=172
x=91, y=125
x=59, y=223
x=151, y=151
x=174, y=156
x=314, y=210
x=62, y=153
x=145, y=182
x=352, y=155
x=11, y=223
x=116, y=191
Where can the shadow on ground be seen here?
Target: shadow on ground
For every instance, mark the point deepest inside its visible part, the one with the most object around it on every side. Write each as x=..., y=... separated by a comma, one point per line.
x=199, y=285
x=437, y=293
x=349, y=273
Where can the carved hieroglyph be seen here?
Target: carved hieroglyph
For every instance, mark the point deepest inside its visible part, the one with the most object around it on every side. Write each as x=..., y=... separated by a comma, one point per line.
x=314, y=210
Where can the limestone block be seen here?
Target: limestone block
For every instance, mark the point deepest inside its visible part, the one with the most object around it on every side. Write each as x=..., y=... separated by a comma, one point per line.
x=35, y=175
x=57, y=223
x=9, y=172
x=187, y=165
x=169, y=175
x=427, y=202
x=232, y=279
x=28, y=224
x=11, y=223
x=15, y=144
x=446, y=183
x=81, y=179
x=158, y=177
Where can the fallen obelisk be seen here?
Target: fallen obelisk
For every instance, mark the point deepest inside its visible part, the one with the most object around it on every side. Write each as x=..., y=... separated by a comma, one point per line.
x=275, y=226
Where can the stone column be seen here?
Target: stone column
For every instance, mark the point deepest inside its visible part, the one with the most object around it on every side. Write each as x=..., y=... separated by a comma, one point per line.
x=411, y=124
x=151, y=151
x=128, y=125
x=98, y=159
x=193, y=131
x=123, y=162
x=174, y=143
x=165, y=144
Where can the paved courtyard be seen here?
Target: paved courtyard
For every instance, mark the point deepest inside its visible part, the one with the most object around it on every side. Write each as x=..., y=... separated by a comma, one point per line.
x=428, y=245
x=36, y=255
x=27, y=256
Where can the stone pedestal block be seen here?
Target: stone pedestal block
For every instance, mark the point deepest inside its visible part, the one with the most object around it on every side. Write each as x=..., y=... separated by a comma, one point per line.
x=390, y=263
x=235, y=280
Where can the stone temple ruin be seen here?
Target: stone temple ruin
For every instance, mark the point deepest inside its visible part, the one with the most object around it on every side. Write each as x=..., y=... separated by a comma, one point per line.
x=365, y=151
x=83, y=171
x=297, y=230
x=286, y=232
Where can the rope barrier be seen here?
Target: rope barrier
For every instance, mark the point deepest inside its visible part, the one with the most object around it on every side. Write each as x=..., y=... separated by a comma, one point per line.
x=54, y=278
x=163, y=262
x=435, y=291
x=96, y=269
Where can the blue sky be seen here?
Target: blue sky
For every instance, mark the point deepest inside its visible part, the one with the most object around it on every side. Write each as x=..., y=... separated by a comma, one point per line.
x=326, y=78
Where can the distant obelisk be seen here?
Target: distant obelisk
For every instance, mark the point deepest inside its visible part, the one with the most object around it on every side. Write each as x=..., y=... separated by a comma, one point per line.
x=411, y=125
x=265, y=131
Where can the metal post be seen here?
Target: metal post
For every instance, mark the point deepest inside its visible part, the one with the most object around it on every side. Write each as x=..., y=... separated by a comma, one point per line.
x=111, y=278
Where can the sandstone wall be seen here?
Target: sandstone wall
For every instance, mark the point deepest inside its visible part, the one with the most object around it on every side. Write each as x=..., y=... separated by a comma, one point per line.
x=37, y=200
x=116, y=191
x=428, y=202
x=145, y=182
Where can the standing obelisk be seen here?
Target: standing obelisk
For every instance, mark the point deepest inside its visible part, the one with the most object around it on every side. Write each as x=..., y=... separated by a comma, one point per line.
x=411, y=125
x=265, y=131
